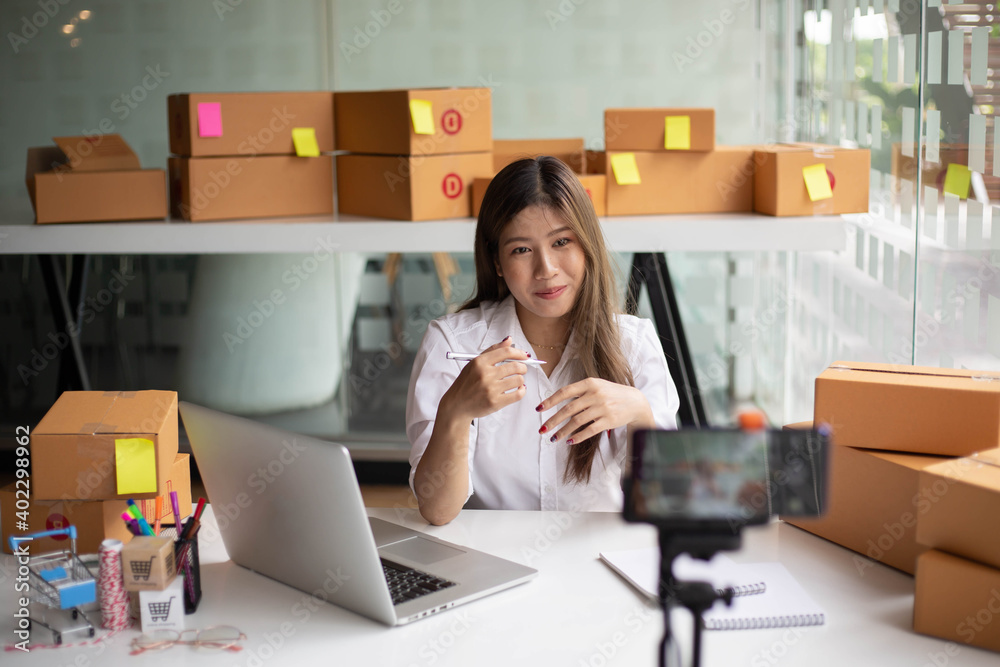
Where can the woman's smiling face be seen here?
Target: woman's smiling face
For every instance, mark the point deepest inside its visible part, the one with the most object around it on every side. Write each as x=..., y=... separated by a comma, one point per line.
x=542, y=262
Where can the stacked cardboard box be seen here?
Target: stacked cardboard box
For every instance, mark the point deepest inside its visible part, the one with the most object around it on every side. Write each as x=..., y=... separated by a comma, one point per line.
x=958, y=579
x=570, y=151
x=93, y=179
x=250, y=155
x=413, y=153
x=874, y=499
x=914, y=471
x=91, y=452
x=890, y=424
x=665, y=161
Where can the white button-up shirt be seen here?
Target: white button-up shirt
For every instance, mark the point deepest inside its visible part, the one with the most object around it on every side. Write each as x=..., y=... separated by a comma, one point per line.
x=511, y=465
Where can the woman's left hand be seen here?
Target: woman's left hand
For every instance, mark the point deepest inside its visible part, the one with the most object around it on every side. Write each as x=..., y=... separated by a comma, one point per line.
x=594, y=405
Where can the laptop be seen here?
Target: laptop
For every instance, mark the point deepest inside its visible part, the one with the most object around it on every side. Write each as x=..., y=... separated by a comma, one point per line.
x=289, y=508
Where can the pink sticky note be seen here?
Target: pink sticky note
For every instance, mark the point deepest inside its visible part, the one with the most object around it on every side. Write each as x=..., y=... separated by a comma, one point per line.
x=209, y=119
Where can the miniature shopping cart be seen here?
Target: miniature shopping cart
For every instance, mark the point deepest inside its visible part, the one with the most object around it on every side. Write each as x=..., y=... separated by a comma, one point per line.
x=141, y=568
x=58, y=580
x=160, y=611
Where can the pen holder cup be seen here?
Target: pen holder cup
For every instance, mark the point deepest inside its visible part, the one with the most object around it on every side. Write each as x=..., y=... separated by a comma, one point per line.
x=189, y=566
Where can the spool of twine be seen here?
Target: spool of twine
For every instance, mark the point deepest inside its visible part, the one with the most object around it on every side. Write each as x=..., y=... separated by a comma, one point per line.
x=111, y=586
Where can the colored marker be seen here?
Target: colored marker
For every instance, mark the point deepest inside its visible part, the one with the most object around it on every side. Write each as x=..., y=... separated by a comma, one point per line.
x=201, y=508
x=159, y=511
x=192, y=528
x=143, y=524
x=175, y=504
x=130, y=523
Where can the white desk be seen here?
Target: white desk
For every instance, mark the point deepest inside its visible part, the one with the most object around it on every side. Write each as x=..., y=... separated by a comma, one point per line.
x=732, y=232
x=575, y=609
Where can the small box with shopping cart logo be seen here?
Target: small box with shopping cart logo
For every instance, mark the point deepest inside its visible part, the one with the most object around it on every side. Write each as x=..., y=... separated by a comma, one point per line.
x=148, y=564
x=163, y=610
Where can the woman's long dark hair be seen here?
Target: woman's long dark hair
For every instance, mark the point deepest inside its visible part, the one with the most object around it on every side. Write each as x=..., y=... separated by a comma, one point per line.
x=548, y=182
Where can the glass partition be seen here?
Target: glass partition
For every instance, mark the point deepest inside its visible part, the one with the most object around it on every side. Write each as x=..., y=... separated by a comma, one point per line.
x=918, y=283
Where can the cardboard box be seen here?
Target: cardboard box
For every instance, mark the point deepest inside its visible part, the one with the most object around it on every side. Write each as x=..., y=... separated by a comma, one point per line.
x=432, y=187
x=684, y=182
x=381, y=121
x=594, y=162
x=909, y=408
x=180, y=481
x=226, y=188
x=645, y=129
x=247, y=123
x=93, y=179
x=148, y=564
x=874, y=501
x=163, y=610
x=95, y=520
x=957, y=599
x=962, y=519
x=86, y=444
x=570, y=151
x=594, y=184
x=780, y=188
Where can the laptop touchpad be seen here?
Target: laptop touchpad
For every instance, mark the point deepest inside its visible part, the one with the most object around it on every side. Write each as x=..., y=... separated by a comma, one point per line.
x=419, y=550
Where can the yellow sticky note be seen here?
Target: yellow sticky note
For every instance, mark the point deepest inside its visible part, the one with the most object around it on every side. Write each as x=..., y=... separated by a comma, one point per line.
x=817, y=182
x=305, y=142
x=135, y=465
x=957, y=180
x=422, y=113
x=625, y=169
x=677, y=133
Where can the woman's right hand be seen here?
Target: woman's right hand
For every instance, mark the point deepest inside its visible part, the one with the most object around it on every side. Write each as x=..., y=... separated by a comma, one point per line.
x=486, y=385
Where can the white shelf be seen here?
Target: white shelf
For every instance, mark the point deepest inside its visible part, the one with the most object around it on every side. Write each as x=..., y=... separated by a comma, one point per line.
x=648, y=233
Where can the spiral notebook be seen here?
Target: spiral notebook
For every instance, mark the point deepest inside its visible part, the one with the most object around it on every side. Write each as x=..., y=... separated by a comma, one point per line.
x=767, y=595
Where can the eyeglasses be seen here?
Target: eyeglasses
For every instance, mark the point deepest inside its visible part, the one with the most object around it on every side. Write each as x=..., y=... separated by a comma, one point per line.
x=221, y=637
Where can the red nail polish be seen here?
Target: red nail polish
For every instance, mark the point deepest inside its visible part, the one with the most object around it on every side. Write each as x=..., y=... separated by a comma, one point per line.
x=570, y=441
x=539, y=408
x=553, y=439
x=543, y=429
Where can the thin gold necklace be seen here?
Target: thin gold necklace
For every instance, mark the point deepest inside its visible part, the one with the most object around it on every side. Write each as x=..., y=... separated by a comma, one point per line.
x=547, y=347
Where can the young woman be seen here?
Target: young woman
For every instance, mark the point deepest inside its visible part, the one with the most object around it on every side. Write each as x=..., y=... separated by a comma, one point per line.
x=497, y=433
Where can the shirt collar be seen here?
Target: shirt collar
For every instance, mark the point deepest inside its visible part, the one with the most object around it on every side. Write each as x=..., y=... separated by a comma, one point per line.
x=505, y=323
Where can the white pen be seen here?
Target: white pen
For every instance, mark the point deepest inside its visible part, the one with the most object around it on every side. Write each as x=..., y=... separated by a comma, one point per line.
x=463, y=356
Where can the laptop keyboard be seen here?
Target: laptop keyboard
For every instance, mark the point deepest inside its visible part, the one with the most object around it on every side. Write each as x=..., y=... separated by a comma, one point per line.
x=407, y=584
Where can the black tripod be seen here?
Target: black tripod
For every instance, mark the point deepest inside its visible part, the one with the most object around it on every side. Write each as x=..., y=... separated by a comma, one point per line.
x=697, y=596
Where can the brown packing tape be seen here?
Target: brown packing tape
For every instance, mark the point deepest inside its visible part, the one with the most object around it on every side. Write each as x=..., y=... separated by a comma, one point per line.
x=985, y=377
x=987, y=462
x=988, y=456
x=109, y=394
x=90, y=428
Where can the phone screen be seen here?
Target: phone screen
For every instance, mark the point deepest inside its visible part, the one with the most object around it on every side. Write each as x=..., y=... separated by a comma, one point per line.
x=724, y=478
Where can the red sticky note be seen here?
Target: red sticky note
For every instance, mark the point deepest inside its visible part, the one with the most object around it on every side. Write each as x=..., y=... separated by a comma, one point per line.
x=209, y=119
